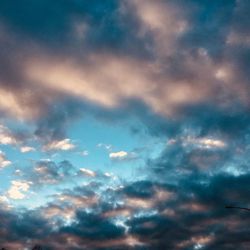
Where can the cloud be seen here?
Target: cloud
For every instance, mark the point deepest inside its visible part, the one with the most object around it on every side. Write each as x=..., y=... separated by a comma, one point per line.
x=46, y=172
x=191, y=68
x=63, y=145
x=108, y=147
x=84, y=153
x=122, y=155
x=208, y=143
x=85, y=82
x=180, y=216
x=184, y=157
x=18, y=189
x=119, y=155
x=6, y=137
x=95, y=227
x=87, y=172
x=180, y=67
x=52, y=125
x=80, y=196
x=4, y=162
x=169, y=41
x=26, y=149
x=17, y=99
x=159, y=20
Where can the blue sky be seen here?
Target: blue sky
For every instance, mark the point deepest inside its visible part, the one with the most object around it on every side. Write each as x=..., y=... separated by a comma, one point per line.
x=124, y=124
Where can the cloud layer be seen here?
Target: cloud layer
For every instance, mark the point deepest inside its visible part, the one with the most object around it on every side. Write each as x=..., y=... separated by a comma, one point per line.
x=180, y=69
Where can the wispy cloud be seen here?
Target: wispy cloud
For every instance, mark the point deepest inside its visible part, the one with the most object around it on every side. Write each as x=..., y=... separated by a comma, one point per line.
x=4, y=162
x=87, y=172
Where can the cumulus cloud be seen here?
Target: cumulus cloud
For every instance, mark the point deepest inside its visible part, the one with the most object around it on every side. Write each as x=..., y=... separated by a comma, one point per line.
x=18, y=189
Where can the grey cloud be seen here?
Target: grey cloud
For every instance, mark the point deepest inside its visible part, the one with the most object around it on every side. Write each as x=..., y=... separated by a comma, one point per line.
x=46, y=172
x=32, y=36
x=195, y=215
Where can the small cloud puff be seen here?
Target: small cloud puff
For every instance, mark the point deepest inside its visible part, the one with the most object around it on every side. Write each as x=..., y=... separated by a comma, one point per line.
x=26, y=149
x=85, y=153
x=63, y=145
x=122, y=155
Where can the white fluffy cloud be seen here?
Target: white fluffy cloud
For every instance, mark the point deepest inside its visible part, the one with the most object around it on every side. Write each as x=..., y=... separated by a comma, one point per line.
x=17, y=189
x=118, y=155
x=26, y=149
x=122, y=155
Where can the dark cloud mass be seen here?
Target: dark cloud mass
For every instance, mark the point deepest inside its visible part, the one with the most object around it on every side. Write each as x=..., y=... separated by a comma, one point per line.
x=193, y=215
x=181, y=67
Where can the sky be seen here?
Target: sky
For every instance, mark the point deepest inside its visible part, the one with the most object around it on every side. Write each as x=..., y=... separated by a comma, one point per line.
x=124, y=124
